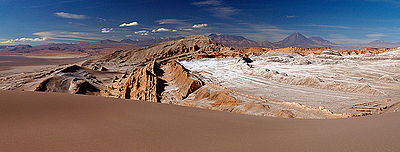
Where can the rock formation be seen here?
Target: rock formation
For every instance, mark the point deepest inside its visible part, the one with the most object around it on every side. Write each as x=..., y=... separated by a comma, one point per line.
x=149, y=82
x=180, y=77
x=144, y=84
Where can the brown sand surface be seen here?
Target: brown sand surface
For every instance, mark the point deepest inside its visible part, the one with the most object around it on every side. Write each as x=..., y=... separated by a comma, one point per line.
x=31, y=121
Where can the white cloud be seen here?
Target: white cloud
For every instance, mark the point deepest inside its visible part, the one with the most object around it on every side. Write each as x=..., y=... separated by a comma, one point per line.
x=24, y=39
x=375, y=35
x=189, y=29
x=290, y=16
x=199, y=25
x=31, y=39
x=208, y=2
x=129, y=24
x=217, y=8
x=161, y=30
x=69, y=36
x=171, y=21
x=69, y=15
x=143, y=32
x=106, y=30
x=223, y=11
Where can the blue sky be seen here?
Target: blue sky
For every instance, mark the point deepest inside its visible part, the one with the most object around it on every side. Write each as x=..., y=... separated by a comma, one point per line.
x=70, y=21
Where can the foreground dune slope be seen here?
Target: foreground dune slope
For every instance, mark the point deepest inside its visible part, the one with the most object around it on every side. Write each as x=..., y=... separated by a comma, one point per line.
x=32, y=121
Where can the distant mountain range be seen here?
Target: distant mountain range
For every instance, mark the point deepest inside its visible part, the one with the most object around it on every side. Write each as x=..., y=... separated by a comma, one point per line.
x=100, y=47
x=107, y=46
x=295, y=40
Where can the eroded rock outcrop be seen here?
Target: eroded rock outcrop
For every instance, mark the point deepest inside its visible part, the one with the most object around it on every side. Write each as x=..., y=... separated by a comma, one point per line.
x=144, y=84
x=149, y=82
x=180, y=77
x=73, y=79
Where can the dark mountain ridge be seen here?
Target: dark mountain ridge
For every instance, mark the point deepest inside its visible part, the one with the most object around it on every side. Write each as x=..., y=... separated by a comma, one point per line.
x=295, y=40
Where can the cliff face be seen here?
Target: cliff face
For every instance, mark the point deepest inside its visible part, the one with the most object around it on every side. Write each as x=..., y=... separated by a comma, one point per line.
x=144, y=84
x=155, y=82
x=185, y=82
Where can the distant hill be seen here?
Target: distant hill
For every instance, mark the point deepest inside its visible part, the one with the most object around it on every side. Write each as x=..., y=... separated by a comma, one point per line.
x=100, y=47
x=239, y=41
x=321, y=41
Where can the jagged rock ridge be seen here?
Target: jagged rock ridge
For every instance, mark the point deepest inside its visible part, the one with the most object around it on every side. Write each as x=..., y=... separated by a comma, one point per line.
x=149, y=82
x=197, y=46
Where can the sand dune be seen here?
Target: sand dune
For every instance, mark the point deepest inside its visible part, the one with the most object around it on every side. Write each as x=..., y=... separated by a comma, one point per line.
x=32, y=121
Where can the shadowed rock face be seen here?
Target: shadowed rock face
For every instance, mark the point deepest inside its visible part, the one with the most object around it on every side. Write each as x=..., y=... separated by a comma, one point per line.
x=144, y=84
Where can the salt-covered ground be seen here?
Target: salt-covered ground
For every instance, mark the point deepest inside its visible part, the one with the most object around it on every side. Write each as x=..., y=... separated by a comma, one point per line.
x=341, y=84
